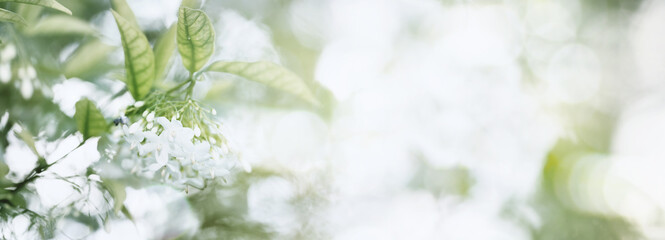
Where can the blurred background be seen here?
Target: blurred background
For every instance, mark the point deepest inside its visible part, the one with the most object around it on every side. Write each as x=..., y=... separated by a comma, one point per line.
x=442, y=119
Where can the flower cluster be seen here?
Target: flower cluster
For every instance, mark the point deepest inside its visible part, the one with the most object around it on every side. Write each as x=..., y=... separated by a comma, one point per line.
x=26, y=73
x=177, y=153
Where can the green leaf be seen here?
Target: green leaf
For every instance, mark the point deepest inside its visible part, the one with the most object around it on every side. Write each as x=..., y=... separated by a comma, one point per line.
x=89, y=120
x=8, y=16
x=122, y=8
x=139, y=58
x=61, y=25
x=270, y=74
x=87, y=58
x=4, y=169
x=196, y=38
x=27, y=137
x=117, y=191
x=191, y=3
x=164, y=49
x=44, y=3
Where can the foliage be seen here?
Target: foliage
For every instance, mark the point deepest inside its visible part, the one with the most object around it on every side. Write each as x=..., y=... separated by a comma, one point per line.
x=171, y=137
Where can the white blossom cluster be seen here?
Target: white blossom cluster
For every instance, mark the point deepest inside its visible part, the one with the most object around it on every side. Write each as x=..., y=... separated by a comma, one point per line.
x=26, y=73
x=168, y=149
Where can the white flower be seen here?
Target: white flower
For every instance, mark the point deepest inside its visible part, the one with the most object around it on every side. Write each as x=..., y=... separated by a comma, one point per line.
x=212, y=167
x=159, y=147
x=5, y=72
x=8, y=53
x=133, y=135
x=139, y=104
x=194, y=182
x=200, y=151
x=26, y=88
x=175, y=132
x=30, y=72
x=197, y=131
x=4, y=119
x=150, y=117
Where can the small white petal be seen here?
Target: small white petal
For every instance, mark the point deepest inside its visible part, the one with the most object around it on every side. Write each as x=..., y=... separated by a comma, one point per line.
x=139, y=104
x=150, y=117
x=164, y=122
x=5, y=72
x=30, y=72
x=246, y=166
x=214, y=112
x=4, y=119
x=8, y=53
x=197, y=131
x=26, y=89
x=95, y=177
x=22, y=73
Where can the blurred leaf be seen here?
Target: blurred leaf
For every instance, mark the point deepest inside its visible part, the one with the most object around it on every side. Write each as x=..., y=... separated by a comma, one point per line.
x=126, y=212
x=4, y=169
x=191, y=3
x=139, y=58
x=89, y=119
x=270, y=74
x=29, y=12
x=27, y=137
x=87, y=58
x=8, y=16
x=196, y=38
x=44, y=3
x=164, y=49
x=122, y=8
x=61, y=25
x=117, y=191
x=17, y=200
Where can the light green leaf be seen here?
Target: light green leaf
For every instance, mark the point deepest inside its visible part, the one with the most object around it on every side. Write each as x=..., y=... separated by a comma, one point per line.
x=8, y=16
x=27, y=137
x=269, y=74
x=61, y=25
x=122, y=8
x=139, y=58
x=196, y=38
x=164, y=49
x=44, y=3
x=117, y=191
x=86, y=58
x=89, y=120
x=191, y=3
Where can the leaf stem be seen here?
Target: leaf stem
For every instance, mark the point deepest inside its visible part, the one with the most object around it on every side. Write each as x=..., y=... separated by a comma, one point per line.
x=190, y=88
x=177, y=87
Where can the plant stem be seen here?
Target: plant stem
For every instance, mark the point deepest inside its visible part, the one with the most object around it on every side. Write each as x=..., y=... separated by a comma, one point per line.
x=34, y=174
x=177, y=87
x=190, y=88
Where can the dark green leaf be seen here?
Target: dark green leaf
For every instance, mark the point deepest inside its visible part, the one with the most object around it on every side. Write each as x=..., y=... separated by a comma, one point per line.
x=196, y=38
x=139, y=58
x=4, y=169
x=89, y=119
x=270, y=74
x=44, y=3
